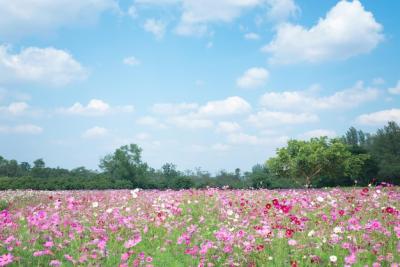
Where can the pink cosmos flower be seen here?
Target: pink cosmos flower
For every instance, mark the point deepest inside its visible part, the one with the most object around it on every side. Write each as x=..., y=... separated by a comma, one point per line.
x=133, y=242
x=6, y=259
x=55, y=263
x=292, y=242
x=351, y=259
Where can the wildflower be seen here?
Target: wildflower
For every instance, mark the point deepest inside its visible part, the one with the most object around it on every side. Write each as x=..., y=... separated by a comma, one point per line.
x=55, y=263
x=133, y=242
x=333, y=258
x=95, y=204
x=6, y=259
x=320, y=199
x=149, y=259
x=311, y=233
x=292, y=242
x=351, y=259
x=125, y=256
x=338, y=230
x=289, y=233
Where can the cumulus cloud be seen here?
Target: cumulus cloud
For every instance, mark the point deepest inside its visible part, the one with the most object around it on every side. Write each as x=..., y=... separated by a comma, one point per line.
x=233, y=105
x=395, y=90
x=150, y=121
x=281, y=10
x=21, y=129
x=248, y=139
x=41, y=65
x=380, y=117
x=95, y=107
x=36, y=17
x=15, y=108
x=227, y=127
x=347, y=30
x=308, y=100
x=267, y=118
x=253, y=78
x=95, y=132
x=197, y=15
x=195, y=116
x=156, y=27
x=131, y=61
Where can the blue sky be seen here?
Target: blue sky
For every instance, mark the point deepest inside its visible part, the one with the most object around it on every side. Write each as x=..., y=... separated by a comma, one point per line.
x=210, y=84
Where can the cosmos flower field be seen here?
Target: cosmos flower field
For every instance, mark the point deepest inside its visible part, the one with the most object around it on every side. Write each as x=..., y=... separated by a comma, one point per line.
x=213, y=227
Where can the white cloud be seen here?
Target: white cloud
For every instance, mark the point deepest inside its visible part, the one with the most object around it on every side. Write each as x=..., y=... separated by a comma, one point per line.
x=347, y=30
x=95, y=132
x=197, y=15
x=266, y=118
x=395, y=90
x=15, y=108
x=95, y=107
x=150, y=121
x=173, y=109
x=247, y=139
x=156, y=27
x=21, y=17
x=308, y=100
x=380, y=117
x=194, y=116
x=227, y=127
x=230, y=106
x=132, y=12
x=281, y=10
x=253, y=78
x=42, y=65
x=318, y=133
x=131, y=61
x=251, y=36
x=21, y=129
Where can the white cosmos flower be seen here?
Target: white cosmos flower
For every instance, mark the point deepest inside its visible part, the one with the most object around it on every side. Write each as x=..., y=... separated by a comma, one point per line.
x=333, y=258
x=320, y=199
x=95, y=204
x=337, y=230
x=311, y=233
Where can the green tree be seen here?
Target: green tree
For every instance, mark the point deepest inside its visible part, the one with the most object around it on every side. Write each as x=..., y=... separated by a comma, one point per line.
x=385, y=149
x=304, y=161
x=39, y=169
x=126, y=163
x=259, y=177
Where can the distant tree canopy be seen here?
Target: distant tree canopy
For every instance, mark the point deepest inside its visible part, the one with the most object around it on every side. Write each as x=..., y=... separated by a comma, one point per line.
x=304, y=161
x=125, y=163
x=357, y=158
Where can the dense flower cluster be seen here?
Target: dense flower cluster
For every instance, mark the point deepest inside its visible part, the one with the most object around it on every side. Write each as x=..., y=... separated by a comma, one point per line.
x=213, y=227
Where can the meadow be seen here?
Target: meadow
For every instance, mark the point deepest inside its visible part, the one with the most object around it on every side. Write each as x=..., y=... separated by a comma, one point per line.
x=210, y=227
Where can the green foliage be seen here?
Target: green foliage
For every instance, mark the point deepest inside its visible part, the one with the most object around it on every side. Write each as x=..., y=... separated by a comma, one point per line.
x=126, y=163
x=304, y=161
x=357, y=157
x=3, y=204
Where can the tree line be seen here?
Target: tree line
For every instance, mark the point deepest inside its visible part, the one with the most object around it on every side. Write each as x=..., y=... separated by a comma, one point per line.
x=356, y=158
